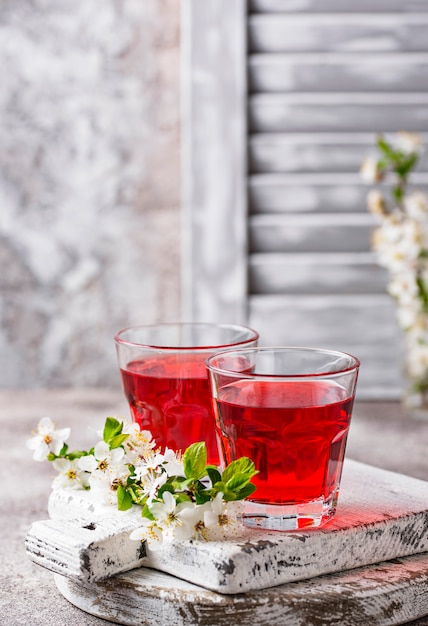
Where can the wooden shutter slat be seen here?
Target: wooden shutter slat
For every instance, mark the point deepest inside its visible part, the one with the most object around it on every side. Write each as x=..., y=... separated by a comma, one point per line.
x=313, y=193
x=336, y=113
x=338, y=72
x=329, y=6
x=315, y=273
x=343, y=32
x=310, y=233
x=309, y=152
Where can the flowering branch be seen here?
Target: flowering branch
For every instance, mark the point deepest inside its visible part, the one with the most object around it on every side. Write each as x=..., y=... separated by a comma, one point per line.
x=179, y=496
x=401, y=242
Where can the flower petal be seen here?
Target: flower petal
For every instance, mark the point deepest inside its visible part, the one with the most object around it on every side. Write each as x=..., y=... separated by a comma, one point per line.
x=101, y=450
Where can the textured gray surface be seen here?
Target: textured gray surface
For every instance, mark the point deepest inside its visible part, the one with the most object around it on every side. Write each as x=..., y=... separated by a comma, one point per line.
x=89, y=183
x=381, y=434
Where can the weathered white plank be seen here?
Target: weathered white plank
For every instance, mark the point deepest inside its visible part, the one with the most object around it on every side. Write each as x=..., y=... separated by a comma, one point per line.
x=214, y=93
x=381, y=515
x=311, y=233
x=309, y=152
x=328, y=6
x=344, y=72
x=340, y=32
x=313, y=192
x=86, y=549
x=323, y=112
x=364, y=325
x=387, y=594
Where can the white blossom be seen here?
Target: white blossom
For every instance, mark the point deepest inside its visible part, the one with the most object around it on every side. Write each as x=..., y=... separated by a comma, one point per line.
x=70, y=476
x=167, y=512
x=417, y=360
x=370, y=171
x=376, y=202
x=403, y=287
x=139, y=445
x=47, y=439
x=222, y=517
x=104, y=460
x=416, y=205
x=172, y=463
x=107, y=469
x=150, y=532
x=409, y=143
x=150, y=483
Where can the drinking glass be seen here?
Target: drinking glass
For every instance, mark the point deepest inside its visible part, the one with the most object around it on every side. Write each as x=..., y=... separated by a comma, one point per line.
x=288, y=409
x=165, y=380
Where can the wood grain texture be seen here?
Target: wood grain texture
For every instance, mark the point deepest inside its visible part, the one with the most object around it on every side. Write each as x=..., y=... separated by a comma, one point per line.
x=382, y=516
x=364, y=325
x=344, y=72
x=323, y=232
x=316, y=153
x=340, y=32
x=336, y=6
x=312, y=273
x=214, y=161
x=87, y=549
x=338, y=112
x=313, y=192
x=387, y=594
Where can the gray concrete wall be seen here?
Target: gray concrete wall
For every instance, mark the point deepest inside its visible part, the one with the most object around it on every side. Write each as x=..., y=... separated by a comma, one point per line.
x=89, y=183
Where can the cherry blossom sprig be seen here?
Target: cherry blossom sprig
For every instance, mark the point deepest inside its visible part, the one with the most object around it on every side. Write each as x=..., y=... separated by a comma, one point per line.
x=179, y=497
x=401, y=243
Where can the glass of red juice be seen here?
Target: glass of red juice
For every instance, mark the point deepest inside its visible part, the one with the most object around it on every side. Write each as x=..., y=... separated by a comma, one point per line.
x=165, y=379
x=288, y=409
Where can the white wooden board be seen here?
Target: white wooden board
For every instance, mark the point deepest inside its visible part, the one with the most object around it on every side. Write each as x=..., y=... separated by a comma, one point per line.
x=381, y=516
x=382, y=595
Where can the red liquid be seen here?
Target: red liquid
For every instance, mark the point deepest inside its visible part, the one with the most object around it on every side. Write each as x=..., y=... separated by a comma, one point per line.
x=170, y=396
x=295, y=433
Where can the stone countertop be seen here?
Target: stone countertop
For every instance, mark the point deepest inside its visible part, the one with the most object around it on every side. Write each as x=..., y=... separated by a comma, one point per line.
x=382, y=434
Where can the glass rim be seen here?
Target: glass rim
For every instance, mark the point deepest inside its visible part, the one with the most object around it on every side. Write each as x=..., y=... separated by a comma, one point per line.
x=243, y=351
x=254, y=335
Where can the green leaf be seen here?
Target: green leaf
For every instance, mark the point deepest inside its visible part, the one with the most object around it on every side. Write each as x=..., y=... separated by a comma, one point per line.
x=112, y=427
x=407, y=164
x=386, y=149
x=423, y=292
x=124, y=499
x=241, y=494
x=397, y=193
x=165, y=487
x=147, y=513
x=238, y=481
x=63, y=450
x=76, y=454
x=202, y=496
x=195, y=461
x=183, y=497
x=243, y=465
x=117, y=441
x=213, y=474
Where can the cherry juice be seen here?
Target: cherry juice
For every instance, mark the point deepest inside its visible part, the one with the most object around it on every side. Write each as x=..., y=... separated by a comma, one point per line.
x=295, y=433
x=169, y=395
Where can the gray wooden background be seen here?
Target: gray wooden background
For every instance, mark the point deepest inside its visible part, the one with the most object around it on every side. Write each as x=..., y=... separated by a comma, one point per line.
x=282, y=99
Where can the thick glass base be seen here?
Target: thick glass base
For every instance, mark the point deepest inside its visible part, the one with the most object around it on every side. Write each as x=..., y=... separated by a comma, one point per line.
x=285, y=517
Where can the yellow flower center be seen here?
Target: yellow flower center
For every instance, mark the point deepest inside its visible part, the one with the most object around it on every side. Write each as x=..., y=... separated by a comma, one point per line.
x=223, y=520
